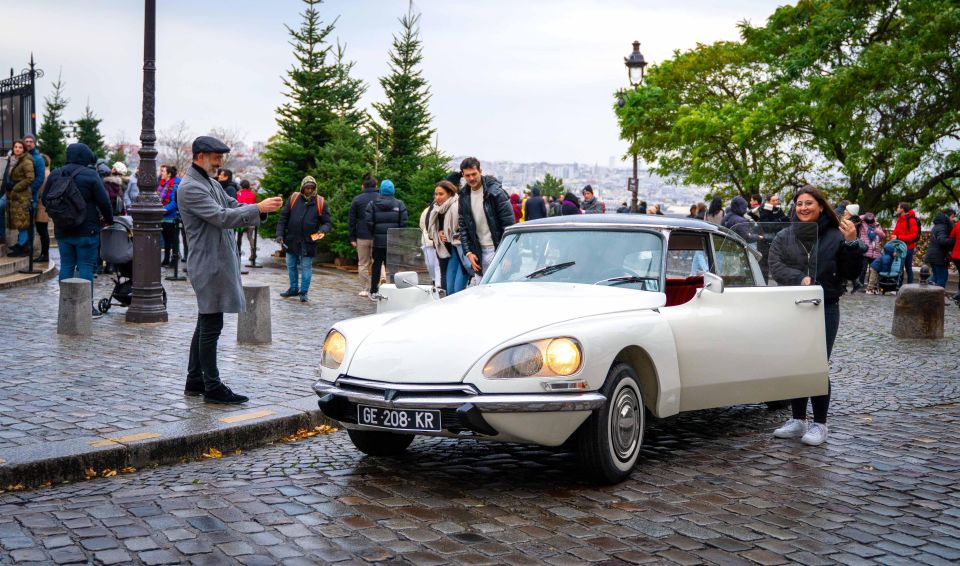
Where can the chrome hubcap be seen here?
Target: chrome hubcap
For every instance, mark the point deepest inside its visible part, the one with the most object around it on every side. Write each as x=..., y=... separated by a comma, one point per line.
x=625, y=423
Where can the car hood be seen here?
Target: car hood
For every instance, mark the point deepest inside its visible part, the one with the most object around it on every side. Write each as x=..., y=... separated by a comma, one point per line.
x=439, y=342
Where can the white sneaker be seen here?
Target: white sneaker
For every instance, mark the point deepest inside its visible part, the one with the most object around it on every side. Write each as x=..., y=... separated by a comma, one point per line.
x=816, y=435
x=794, y=428
x=363, y=294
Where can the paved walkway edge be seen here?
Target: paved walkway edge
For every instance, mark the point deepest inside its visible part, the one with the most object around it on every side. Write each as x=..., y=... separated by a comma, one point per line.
x=228, y=431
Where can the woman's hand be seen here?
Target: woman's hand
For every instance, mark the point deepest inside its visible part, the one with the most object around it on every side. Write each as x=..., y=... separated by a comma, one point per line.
x=807, y=281
x=443, y=236
x=849, y=230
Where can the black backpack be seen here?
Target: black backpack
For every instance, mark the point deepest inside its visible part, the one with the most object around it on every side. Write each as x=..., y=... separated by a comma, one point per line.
x=63, y=201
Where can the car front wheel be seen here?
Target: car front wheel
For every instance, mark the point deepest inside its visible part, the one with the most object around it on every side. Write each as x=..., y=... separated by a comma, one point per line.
x=377, y=443
x=610, y=440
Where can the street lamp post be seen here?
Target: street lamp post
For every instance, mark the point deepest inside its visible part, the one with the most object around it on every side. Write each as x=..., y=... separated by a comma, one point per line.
x=635, y=65
x=147, y=303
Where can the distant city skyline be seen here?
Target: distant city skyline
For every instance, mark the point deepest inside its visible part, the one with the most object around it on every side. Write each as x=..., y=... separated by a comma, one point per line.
x=523, y=81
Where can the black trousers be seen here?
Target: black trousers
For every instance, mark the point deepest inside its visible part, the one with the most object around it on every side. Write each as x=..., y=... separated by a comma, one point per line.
x=444, y=262
x=171, y=240
x=821, y=403
x=202, y=368
x=379, y=258
x=44, y=234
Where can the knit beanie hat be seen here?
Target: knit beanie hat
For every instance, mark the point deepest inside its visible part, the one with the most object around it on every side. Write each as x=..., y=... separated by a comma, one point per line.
x=386, y=188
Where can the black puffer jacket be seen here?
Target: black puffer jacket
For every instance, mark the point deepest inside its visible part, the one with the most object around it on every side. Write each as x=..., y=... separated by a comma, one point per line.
x=497, y=209
x=382, y=214
x=298, y=222
x=792, y=257
x=88, y=182
x=939, y=245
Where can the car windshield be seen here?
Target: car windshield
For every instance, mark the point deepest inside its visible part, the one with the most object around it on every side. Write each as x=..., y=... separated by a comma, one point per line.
x=629, y=259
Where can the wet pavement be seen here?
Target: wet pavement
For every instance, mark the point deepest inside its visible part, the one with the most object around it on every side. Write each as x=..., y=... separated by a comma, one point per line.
x=712, y=486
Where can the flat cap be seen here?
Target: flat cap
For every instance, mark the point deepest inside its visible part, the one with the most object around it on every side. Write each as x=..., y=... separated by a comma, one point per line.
x=209, y=144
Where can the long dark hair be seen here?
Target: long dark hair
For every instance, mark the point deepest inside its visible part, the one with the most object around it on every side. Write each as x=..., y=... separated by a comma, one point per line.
x=828, y=210
x=572, y=198
x=716, y=205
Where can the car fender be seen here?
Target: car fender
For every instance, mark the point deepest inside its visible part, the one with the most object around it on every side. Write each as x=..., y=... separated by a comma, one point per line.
x=642, y=339
x=355, y=330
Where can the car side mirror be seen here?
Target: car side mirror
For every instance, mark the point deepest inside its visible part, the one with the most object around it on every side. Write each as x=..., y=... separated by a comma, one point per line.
x=713, y=283
x=406, y=279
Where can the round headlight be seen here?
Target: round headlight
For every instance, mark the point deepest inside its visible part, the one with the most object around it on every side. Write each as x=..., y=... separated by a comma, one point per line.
x=563, y=356
x=334, y=347
x=523, y=360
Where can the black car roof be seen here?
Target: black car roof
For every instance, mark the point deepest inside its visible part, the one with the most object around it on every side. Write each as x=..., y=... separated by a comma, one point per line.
x=625, y=220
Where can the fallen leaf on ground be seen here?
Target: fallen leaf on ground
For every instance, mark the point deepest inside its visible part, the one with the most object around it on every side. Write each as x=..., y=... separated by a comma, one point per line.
x=90, y=473
x=212, y=453
x=108, y=473
x=237, y=452
x=18, y=487
x=128, y=470
x=46, y=484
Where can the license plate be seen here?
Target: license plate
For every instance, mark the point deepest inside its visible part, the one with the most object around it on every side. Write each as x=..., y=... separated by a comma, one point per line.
x=399, y=419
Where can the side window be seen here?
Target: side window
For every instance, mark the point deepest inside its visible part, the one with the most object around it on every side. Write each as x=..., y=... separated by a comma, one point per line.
x=687, y=255
x=732, y=262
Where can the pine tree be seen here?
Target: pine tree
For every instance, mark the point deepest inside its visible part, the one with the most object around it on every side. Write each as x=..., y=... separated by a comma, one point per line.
x=305, y=118
x=404, y=131
x=52, y=137
x=348, y=154
x=117, y=154
x=88, y=132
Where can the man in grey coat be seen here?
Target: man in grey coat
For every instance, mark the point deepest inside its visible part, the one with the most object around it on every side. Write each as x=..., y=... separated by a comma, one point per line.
x=209, y=217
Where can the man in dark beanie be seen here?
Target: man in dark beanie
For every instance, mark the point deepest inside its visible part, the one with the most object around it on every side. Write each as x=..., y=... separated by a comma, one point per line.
x=209, y=217
x=384, y=213
x=591, y=204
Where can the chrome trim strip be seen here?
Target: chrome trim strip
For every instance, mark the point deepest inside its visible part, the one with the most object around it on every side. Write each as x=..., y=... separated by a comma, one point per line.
x=383, y=386
x=489, y=403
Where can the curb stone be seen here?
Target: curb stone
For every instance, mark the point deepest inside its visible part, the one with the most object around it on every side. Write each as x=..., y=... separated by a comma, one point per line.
x=169, y=443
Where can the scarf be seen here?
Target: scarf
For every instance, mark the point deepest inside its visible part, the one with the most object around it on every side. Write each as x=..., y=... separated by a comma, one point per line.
x=449, y=209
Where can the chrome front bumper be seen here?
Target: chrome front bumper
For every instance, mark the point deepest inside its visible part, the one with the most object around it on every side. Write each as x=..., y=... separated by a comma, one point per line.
x=430, y=396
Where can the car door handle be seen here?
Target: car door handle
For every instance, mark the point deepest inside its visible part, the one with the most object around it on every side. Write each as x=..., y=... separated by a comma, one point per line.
x=814, y=302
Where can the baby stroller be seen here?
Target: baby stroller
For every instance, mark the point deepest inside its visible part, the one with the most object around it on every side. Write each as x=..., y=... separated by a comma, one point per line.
x=889, y=266
x=116, y=247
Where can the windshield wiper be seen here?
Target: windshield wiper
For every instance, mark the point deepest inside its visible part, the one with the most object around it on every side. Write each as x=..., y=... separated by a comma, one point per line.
x=614, y=281
x=550, y=269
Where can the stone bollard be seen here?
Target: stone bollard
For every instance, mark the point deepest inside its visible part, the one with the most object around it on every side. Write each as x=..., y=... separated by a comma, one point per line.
x=918, y=312
x=253, y=325
x=74, y=317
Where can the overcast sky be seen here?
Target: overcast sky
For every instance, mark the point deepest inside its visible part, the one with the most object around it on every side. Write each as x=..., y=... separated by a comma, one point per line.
x=519, y=80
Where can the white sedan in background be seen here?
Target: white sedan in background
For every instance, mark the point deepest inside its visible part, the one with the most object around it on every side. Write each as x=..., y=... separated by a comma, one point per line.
x=581, y=328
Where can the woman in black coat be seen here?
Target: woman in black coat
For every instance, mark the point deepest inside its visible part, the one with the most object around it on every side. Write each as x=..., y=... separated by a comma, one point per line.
x=817, y=249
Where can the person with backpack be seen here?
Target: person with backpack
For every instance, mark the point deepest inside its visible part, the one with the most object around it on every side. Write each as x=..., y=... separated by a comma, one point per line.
x=939, y=247
x=304, y=221
x=907, y=230
x=382, y=214
x=77, y=202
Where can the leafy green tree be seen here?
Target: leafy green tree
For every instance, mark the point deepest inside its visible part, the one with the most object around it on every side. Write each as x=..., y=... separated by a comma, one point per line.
x=873, y=87
x=52, y=137
x=550, y=186
x=304, y=120
x=404, y=131
x=697, y=118
x=88, y=132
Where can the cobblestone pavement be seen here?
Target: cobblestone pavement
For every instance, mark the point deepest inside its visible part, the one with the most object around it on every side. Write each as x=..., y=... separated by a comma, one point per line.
x=131, y=375
x=713, y=486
